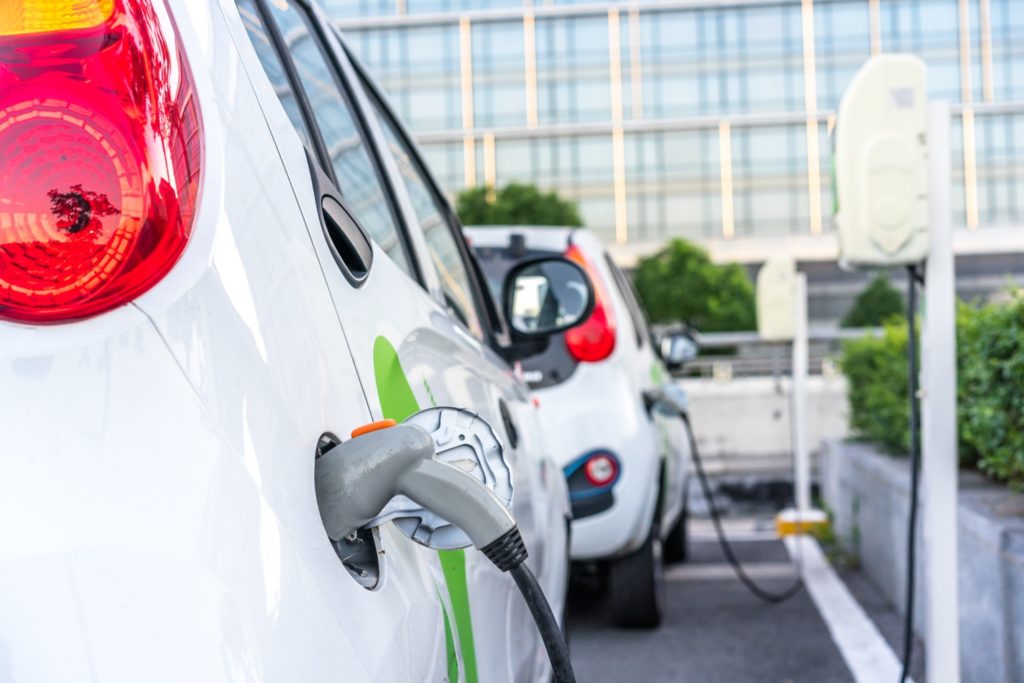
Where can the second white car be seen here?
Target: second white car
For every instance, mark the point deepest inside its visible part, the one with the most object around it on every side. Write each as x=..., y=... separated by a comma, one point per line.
x=612, y=414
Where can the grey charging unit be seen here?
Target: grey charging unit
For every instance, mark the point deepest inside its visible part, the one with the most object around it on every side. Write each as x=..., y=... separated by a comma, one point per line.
x=893, y=184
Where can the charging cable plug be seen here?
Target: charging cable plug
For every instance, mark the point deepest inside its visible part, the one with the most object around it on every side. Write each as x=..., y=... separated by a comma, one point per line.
x=356, y=479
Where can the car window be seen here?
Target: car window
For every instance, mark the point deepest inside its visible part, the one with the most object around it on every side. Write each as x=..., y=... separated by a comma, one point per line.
x=442, y=243
x=274, y=67
x=354, y=170
x=625, y=288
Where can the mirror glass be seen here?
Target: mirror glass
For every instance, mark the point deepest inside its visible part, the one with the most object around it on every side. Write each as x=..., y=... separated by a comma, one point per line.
x=547, y=296
x=677, y=349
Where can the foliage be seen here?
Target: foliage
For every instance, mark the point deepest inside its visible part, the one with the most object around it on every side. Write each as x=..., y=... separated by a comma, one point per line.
x=990, y=371
x=515, y=204
x=877, y=303
x=680, y=283
x=876, y=368
x=990, y=387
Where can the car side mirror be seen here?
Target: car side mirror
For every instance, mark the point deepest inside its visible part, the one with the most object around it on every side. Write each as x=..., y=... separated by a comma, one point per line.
x=542, y=297
x=678, y=348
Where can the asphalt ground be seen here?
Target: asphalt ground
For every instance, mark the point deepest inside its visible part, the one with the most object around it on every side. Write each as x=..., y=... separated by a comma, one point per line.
x=714, y=630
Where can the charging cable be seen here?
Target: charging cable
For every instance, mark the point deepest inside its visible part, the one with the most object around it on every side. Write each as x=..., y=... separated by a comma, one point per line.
x=913, y=278
x=356, y=479
x=723, y=541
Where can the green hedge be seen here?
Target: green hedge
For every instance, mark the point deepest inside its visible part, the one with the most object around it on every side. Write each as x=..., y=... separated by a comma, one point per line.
x=990, y=378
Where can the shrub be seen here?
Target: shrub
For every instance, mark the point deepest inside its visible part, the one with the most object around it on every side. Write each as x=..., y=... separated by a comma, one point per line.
x=515, y=204
x=877, y=303
x=990, y=387
x=680, y=283
x=876, y=368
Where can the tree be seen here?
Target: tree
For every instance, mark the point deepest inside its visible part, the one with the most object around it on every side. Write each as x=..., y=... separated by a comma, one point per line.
x=877, y=303
x=680, y=283
x=515, y=204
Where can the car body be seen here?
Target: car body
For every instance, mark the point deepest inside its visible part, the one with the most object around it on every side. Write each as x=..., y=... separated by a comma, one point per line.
x=156, y=466
x=608, y=402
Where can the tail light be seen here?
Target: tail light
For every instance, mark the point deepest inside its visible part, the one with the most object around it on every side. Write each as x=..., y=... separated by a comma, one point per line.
x=100, y=145
x=594, y=340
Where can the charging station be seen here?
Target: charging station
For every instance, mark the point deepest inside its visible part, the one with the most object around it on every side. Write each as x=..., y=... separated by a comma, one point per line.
x=893, y=184
x=782, y=317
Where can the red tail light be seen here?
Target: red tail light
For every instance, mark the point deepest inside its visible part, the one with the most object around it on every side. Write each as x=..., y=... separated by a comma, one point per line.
x=594, y=340
x=99, y=155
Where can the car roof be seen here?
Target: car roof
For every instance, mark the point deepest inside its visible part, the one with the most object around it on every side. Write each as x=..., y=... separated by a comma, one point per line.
x=537, y=237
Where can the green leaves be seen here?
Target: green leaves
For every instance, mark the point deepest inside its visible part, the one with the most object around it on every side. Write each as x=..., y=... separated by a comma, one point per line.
x=990, y=387
x=875, y=305
x=990, y=367
x=515, y=204
x=877, y=372
x=680, y=283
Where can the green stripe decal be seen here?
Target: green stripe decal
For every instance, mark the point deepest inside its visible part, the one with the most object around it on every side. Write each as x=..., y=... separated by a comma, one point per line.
x=397, y=402
x=453, y=564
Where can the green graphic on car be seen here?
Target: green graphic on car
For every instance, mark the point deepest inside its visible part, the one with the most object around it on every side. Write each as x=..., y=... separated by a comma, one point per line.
x=397, y=402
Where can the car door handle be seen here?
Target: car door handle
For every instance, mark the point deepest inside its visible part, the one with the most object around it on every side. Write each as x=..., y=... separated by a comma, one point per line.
x=348, y=242
x=650, y=397
x=510, y=426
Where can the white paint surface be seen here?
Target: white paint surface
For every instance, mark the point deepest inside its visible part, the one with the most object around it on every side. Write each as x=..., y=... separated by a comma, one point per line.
x=865, y=651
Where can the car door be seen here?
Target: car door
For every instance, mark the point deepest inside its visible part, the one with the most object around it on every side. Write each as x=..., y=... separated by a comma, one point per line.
x=540, y=503
x=654, y=380
x=398, y=627
x=409, y=307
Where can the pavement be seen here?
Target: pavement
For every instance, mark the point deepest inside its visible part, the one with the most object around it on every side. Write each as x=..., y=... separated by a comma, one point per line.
x=714, y=630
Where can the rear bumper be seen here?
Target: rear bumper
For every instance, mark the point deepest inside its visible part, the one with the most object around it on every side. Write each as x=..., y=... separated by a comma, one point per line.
x=596, y=409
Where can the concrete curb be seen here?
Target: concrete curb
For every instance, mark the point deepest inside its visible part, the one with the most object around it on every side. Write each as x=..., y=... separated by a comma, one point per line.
x=868, y=492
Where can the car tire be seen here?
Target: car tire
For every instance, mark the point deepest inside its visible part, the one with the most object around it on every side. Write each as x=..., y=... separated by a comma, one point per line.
x=636, y=593
x=677, y=542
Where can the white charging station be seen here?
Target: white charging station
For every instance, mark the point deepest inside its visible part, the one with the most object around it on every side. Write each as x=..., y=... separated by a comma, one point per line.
x=893, y=185
x=782, y=317
x=881, y=157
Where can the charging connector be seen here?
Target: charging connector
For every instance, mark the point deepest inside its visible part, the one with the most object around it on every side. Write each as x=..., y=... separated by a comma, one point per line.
x=356, y=480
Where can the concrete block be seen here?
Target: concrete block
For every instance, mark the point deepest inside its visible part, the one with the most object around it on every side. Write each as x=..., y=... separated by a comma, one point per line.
x=868, y=493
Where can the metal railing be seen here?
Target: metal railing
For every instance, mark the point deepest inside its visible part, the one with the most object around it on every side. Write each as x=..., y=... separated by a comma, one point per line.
x=725, y=355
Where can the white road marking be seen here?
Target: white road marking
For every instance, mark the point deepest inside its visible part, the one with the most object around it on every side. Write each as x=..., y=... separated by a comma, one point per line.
x=723, y=571
x=867, y=654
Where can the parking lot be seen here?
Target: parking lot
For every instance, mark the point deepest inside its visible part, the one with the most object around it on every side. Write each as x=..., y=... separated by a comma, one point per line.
x=716, y=631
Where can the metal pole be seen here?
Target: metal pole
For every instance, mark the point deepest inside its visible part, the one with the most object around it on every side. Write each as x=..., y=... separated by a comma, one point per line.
x=938, y=415
x=802, y=476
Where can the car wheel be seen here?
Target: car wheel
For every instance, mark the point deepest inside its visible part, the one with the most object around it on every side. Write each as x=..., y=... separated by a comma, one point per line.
x=637, y=585
x=676, y=544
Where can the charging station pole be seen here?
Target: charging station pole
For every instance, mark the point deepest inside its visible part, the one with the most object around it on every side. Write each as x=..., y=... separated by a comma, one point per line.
x=802, y=476
x=939, y=464
x=782, y=317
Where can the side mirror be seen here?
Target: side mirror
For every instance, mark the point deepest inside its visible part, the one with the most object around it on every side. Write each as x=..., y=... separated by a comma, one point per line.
x=678, y=348
x=544, y=296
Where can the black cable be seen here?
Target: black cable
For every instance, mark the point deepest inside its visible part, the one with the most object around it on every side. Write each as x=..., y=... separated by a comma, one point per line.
x=554, y=643
x=763, y=594
x=915, y=462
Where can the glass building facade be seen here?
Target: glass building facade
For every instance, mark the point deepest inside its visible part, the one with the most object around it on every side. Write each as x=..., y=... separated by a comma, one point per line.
x=708, y=120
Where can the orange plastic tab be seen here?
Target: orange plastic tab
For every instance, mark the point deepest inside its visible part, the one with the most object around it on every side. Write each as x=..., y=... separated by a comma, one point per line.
x=373, y=427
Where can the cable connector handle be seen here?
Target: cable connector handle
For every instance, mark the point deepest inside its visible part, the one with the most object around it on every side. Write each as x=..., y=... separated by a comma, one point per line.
x=508, y=551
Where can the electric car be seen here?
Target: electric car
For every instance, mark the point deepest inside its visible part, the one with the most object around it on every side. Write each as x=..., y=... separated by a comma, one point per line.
x=613, y=413
x=220, y=254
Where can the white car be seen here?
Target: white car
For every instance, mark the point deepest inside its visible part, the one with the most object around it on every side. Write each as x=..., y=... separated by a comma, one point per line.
x=219, y=255
x=613, y=413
